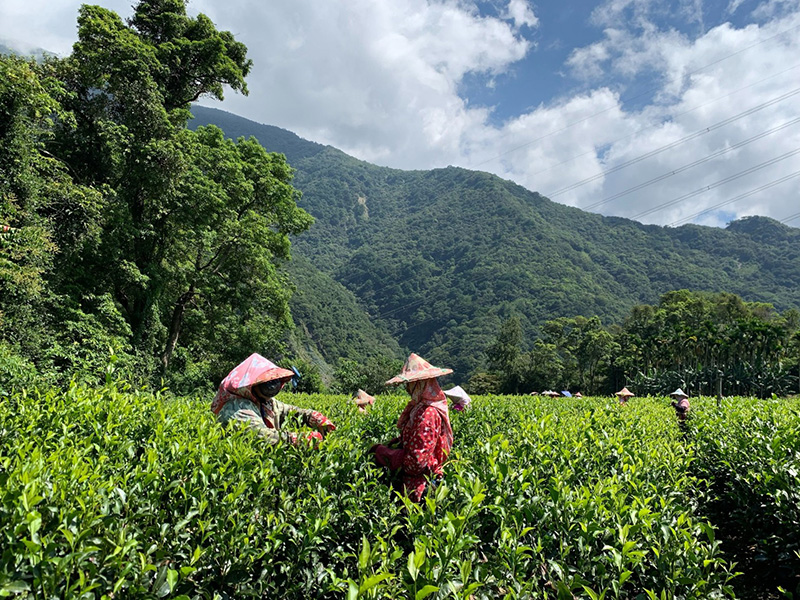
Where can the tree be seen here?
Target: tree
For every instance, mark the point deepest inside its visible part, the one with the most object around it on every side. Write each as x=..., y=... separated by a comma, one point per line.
x=485, y=383
x=541, y=368
x=194, y=227
x=370, y=376
x=310, y=381
x=45, y=218
x=27, y=248
x=584, y=348
x=702, y=341
x=233, y=213
x=506, y=347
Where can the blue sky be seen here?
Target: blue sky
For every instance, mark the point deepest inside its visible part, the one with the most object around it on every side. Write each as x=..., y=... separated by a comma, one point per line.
x=541, y=75
x=666, y=112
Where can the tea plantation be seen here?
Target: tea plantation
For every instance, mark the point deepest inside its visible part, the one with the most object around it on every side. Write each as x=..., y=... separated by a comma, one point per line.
x=115, y=493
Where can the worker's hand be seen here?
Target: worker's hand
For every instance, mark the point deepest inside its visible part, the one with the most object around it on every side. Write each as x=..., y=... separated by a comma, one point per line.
x=322, y=423
x=314, y=438
x=373, y=448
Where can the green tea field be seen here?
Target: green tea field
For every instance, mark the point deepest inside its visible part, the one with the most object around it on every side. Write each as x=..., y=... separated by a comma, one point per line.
x=115, y=493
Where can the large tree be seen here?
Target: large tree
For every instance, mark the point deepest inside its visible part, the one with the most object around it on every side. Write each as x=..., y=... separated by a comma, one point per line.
x=45, y=218
x=233, y=214
x=190, y=228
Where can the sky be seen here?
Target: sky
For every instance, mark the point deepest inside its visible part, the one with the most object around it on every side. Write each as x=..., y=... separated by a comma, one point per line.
x=663, y=111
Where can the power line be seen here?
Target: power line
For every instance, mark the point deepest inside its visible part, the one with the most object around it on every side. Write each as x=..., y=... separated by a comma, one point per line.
x=691, y=164
x=672, y=118
x=740, y=197
x=706, y=188
x=671, y=145
x=628, y=99
x=790, y=218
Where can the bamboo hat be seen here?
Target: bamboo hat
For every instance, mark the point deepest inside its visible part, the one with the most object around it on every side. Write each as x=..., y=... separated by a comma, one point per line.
x=362, y=399
x=417, y=368
x=679, y=393
x=624, y=393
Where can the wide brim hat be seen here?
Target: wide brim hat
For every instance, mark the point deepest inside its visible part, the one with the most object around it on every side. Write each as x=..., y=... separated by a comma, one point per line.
x=253, y=370
x=679, y=393
x=362, y=398
x=550, y=393
x=578, y=395
x=625, y=392
x=457, y=394
x=417, y=368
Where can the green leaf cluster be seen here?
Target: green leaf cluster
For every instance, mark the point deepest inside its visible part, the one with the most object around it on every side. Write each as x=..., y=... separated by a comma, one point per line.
x=702, y=342
x=108, y=490
x=126, y=229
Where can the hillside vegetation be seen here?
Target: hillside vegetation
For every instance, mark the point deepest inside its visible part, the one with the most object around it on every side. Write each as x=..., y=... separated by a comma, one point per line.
x=439, y=258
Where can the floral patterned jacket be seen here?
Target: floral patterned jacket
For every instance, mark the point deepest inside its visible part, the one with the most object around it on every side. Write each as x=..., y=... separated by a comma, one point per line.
x=268, y=418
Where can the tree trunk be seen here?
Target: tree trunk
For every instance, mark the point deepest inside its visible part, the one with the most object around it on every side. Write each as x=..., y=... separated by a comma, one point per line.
x=175, y=328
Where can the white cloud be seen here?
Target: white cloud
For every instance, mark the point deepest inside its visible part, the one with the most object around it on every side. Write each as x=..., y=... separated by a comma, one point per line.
x=733, y=6
x=693, y=11
x=381, y=81
x=632, y=13
x=47, y=24
x=775, y=8
x=736, y=60
x=521, y=12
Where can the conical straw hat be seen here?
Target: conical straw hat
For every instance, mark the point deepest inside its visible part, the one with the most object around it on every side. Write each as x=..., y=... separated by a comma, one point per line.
x=458, y=394
x=417, y=368
x=625, y=392
x=253, y=370
x=362, y=398
x=680, y=393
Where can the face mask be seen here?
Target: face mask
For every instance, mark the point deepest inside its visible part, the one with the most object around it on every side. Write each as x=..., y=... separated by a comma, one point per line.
x=270, y=389
x=413, y=387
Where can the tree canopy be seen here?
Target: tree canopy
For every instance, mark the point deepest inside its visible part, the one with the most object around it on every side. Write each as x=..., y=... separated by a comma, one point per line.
x=131, y=230
x=701, y=342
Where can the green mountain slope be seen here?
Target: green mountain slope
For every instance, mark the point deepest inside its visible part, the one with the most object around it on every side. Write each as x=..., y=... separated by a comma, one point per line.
x=330, y=322
x=438, y=258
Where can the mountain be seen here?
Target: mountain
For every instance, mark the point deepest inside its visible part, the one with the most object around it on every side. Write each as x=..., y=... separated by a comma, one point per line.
x=439, y=258
x=39, y=54
x=330, y=323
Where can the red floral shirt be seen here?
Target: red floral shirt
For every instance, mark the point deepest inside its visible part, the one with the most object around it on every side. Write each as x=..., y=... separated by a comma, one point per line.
x=421, y=454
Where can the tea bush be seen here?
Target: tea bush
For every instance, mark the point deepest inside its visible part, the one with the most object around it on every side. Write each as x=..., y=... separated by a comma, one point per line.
x=750, y=450
x=111, y=492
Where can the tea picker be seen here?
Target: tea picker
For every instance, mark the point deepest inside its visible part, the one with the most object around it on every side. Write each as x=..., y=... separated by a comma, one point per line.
x=247, y=396
x=420, y=451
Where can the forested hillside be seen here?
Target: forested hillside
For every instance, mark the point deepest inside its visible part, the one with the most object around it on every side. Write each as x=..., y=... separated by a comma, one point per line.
x=439, y=258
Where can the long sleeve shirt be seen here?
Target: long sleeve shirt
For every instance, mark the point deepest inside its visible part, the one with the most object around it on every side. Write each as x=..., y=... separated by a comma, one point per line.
x=267, y=418
x=681, y=408
x=421, y=454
